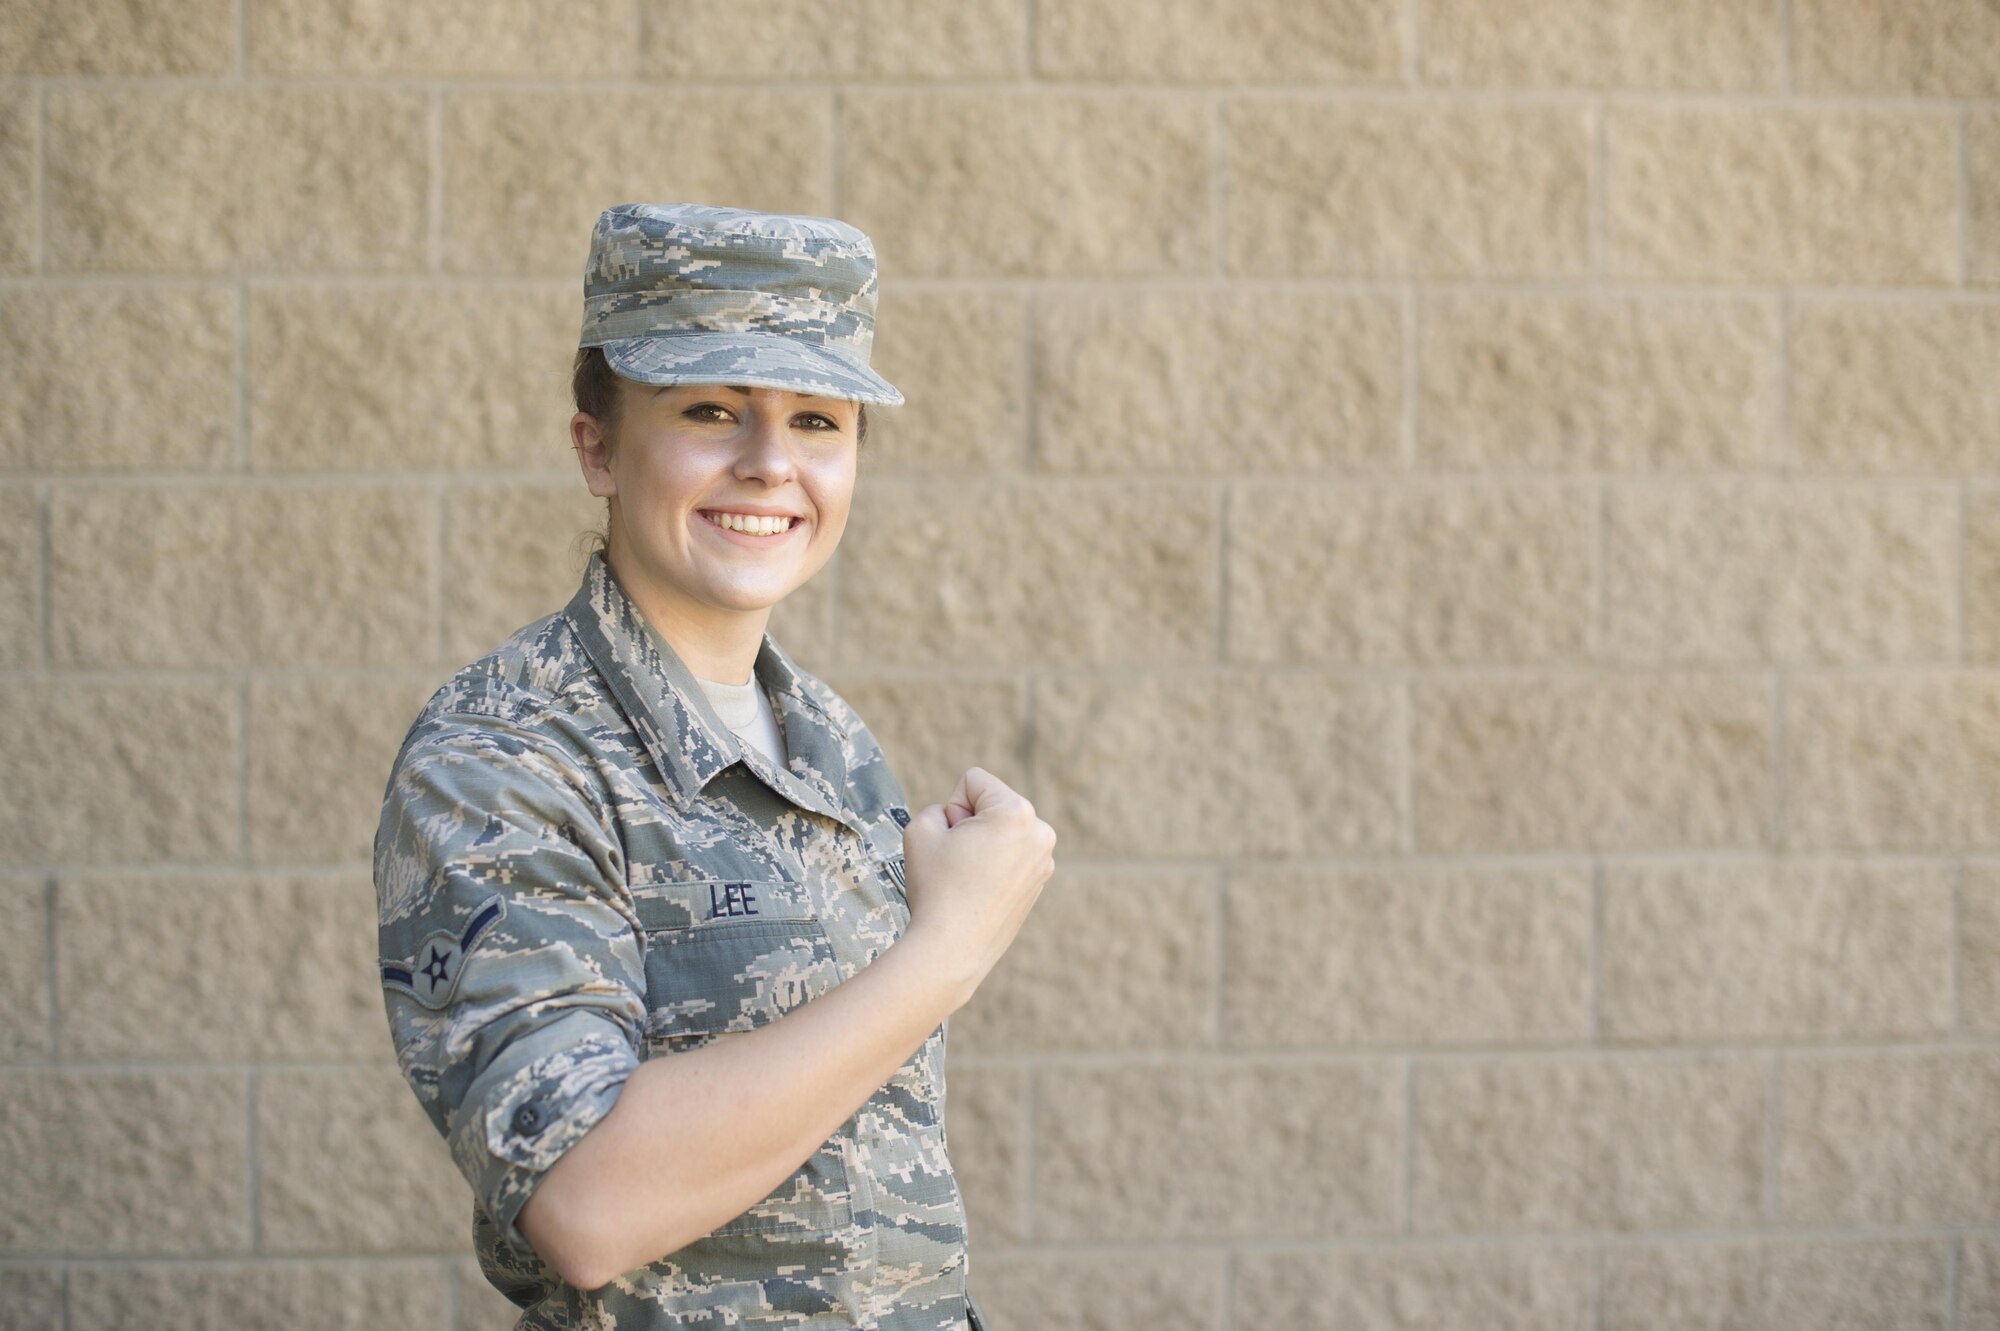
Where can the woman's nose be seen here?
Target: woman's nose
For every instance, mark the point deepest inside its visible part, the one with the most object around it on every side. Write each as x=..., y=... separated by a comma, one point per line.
x=768, y=447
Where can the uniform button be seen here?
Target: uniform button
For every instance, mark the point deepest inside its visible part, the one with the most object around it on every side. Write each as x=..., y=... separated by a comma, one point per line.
x=528, y=1118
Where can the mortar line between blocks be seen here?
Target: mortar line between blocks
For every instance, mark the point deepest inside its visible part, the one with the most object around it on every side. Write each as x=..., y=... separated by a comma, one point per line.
x=243, y=771
x=241, y=354
x=1412, y=331
x=1597, y=950
x=45, y=502
x=1952, y=1268
x=438, y=519
x=1207, y=1062
x=1774, y=1113
x=1411, y=17
x=1328, y=483
x=1408, y=1182
x=251, y=1175
x=1404, y=698
x=65, y=1294
x=1033, y=1091
x=1597, y=188
x=1785, y=46
x=49, y=969
x=1029, y=711
x=1964, y=536
x=242, y=39
x=1594, y=1313
x=1372, y=1244
x=434, y=190
x=836, y=122
x=348, y=1260
x=1225, y=1311
x=1789, y=469
x=1326, y=286
x=1953, y=970
x=1781, y=832
x=1600, y=576
x=1788, y=446
x=1218, y=187
x=1218, y=1009
x=1964, y=195
x=1030, y=348
x=1387, y=92
x=1376, y=1243
x=1222, y=579
x=41, y=170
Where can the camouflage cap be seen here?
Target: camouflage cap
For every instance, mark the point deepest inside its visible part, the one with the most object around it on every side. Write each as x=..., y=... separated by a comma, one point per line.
x=688, y=293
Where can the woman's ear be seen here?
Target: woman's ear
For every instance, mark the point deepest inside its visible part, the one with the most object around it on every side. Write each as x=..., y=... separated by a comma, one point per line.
x=593, y=447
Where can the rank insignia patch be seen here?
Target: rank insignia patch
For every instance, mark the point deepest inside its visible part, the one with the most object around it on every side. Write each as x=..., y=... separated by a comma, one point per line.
x=431, y=976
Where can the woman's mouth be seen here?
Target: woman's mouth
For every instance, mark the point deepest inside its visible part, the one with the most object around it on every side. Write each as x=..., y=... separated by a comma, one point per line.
x=749, y=529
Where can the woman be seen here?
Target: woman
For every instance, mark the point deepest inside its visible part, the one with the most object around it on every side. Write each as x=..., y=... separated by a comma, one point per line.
x=666, y=957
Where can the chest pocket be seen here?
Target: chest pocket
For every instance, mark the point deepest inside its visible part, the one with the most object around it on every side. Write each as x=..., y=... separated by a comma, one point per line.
x=729, y=955
x=725, y=955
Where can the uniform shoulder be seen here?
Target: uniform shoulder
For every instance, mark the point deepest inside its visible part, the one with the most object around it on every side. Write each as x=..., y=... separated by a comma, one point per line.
x=540, y=672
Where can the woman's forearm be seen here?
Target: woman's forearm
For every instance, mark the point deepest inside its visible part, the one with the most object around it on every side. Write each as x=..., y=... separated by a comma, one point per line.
x=697, y=1138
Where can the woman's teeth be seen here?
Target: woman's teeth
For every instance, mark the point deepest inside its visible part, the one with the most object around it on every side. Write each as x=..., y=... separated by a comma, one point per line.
x=753, y=526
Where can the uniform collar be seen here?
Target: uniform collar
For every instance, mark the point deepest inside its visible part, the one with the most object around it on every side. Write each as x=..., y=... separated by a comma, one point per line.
x=677, y=723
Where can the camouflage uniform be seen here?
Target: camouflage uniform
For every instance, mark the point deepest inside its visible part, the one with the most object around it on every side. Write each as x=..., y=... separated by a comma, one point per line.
x=580, y=867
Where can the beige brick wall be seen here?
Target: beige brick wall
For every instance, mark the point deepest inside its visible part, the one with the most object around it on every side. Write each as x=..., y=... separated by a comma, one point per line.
x=1478, y=521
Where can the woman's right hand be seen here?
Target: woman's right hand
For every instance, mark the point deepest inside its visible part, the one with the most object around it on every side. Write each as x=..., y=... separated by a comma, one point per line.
x=972, y=869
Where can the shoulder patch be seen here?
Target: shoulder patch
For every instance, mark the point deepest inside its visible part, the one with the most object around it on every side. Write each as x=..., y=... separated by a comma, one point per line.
x=431, y=976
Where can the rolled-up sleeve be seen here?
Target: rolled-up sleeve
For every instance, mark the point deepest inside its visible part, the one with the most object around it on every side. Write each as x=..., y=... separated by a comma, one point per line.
x=511, y=966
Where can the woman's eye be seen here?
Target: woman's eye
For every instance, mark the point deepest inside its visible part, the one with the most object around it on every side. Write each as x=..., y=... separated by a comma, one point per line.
x=818, y=421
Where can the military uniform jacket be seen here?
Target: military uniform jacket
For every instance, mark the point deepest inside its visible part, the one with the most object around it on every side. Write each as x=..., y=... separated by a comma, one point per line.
x=579, y=867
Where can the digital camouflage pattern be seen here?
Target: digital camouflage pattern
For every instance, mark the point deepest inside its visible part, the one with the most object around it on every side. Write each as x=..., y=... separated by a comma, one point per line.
x=580, y=867
x=690, y=293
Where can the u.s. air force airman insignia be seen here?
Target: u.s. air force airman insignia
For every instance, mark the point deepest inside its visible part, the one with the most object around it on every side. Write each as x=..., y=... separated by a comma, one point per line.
x=431, y=976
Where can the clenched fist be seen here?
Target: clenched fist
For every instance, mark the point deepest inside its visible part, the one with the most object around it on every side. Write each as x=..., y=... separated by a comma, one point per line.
x=973, y=868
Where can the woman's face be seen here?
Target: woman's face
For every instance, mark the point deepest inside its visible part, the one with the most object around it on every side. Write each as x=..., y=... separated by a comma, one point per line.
x=688, y=453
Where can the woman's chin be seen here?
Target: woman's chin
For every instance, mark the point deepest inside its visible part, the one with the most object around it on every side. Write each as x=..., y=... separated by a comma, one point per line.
x=746, y=599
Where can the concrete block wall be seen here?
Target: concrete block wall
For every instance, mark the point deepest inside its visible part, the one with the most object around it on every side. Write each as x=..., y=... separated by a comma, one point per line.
x=1479, y=522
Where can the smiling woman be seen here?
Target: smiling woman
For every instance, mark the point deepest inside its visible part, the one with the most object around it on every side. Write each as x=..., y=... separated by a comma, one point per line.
x=693, y=473
x=667, y=958
x=600, y=394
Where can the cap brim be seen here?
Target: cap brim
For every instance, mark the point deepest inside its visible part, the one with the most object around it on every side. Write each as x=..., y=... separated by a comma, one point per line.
x=760, y=360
